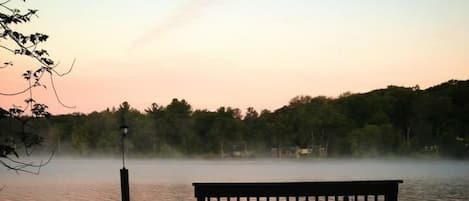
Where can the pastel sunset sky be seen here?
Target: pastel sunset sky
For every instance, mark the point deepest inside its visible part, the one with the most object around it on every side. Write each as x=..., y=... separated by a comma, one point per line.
x=240, y=53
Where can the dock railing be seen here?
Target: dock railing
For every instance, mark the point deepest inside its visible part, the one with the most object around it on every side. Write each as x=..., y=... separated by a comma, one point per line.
x=379, y=190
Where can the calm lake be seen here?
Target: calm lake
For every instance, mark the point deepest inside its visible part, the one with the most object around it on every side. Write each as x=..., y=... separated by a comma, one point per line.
x=170, y=180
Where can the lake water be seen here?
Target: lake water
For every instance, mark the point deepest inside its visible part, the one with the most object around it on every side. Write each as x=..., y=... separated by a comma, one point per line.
x=170, y=180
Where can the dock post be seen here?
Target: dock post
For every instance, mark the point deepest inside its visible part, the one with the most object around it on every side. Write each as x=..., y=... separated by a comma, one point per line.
x=125, y=184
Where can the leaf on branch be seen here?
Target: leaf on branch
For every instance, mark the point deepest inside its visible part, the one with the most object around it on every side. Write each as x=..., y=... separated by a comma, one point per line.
x=37, y=74
x=37, y=83
x=3, y=16
x=6, y=150
x=47, y=61
x=27, y=75
x=41, y=52
x=16, y=35
x=5, y=33
x=29, y=100
x=43, y=37
x=32, y=12
x=48, y=69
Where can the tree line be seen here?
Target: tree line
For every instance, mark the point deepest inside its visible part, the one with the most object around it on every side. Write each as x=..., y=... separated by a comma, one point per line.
x=395, y=121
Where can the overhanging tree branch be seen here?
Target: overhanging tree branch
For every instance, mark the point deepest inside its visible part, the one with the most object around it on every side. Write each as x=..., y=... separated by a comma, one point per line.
x=25, y=45
x=26, y=167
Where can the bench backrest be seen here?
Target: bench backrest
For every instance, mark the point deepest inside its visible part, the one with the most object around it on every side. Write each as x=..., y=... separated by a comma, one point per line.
x=299, y=191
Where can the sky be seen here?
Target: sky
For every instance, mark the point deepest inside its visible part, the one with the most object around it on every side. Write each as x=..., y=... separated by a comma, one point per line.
x=239, y=53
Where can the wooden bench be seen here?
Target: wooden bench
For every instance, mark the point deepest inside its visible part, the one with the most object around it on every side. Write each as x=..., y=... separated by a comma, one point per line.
x=299, y=191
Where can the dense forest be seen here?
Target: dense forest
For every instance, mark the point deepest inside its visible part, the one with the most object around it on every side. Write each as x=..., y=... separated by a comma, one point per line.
x=395, y=121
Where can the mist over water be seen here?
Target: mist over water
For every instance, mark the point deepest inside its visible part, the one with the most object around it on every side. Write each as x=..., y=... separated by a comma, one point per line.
x=172, y=179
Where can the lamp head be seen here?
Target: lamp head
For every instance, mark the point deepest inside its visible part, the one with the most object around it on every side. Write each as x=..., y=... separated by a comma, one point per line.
x=124, y=130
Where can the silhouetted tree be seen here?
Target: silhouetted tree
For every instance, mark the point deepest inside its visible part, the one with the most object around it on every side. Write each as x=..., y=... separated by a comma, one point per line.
x=20, y=133
x=368, y=124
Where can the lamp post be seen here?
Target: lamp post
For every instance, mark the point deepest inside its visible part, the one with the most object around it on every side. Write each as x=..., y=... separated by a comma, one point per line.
x=124, y=172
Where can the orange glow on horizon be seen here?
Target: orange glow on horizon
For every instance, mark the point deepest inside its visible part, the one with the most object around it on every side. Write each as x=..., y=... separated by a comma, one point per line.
x=233, y=53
